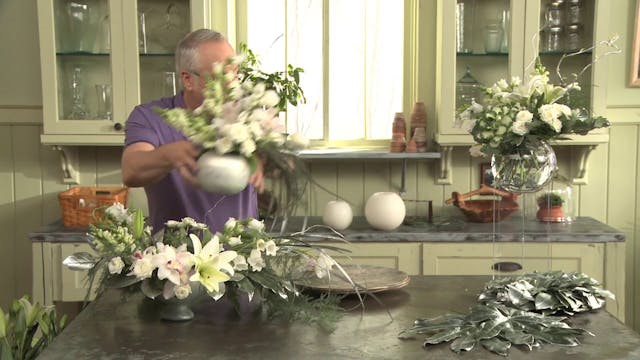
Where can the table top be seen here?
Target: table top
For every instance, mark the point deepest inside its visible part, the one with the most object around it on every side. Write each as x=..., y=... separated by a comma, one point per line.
x=449, y=229
x=110, y=328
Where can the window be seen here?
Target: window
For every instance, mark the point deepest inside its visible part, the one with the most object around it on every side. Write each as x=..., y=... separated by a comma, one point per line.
x=352, y=55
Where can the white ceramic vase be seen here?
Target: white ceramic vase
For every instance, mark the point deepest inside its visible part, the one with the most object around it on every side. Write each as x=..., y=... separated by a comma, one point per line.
x=337, y=214
x=223, y=174
x=385, y=210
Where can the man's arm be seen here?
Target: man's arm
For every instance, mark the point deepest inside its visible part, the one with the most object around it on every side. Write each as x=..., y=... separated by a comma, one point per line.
x=144, y=164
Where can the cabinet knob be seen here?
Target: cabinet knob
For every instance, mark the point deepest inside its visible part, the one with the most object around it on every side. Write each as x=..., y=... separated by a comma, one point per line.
x=118, y=126
x=506, y=266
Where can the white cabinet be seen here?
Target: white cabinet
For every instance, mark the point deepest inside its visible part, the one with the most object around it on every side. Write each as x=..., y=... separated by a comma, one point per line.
x=100, y=58
x=524, y=32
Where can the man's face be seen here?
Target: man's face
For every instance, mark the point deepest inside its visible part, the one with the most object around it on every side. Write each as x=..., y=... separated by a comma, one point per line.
x=209, y=53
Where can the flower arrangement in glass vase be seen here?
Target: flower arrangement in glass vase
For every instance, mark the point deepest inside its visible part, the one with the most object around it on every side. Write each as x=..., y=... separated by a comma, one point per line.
x=238, y=123
x=516, y=120
x=186, y=260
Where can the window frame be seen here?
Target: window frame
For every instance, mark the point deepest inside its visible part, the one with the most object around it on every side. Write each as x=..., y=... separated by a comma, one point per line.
x=410, y=77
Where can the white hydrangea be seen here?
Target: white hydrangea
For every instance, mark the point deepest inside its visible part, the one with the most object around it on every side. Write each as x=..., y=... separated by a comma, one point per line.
x=524, y=116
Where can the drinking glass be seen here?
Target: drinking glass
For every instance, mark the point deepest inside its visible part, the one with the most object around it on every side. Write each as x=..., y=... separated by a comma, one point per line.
x=78, y=108
x=169, y=83
x=104, y=101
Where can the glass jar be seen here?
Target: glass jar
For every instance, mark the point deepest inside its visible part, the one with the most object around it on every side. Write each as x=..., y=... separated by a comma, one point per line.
x=552, y=39
x=554, y=203
x=468, y=89
x=574, y=37
x=553, y=14
x=464, y=25
x=575, y=12
x=493, y=37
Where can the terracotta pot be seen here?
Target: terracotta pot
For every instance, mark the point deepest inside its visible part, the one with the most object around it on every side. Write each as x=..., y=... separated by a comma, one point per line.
x=550, y=214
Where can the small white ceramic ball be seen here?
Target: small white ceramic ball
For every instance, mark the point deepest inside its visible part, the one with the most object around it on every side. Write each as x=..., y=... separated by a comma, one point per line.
x=385, y=210
x=337, y=214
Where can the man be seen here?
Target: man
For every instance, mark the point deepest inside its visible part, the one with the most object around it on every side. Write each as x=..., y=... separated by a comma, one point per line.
x=163, y=160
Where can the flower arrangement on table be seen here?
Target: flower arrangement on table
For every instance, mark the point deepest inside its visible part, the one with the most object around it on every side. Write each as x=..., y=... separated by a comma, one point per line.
x=239, y=115
x=516, y=120
x=242, y=258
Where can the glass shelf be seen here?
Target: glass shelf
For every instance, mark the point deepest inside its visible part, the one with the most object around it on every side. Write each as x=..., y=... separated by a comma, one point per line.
x=483, y=54
x=158, y=55
x=82, y=53
x=560, y=53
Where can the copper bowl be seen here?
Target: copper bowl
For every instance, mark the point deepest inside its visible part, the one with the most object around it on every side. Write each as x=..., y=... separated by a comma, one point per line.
x=485, y=210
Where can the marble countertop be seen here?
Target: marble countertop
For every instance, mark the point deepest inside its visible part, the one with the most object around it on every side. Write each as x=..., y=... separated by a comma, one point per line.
x=451, y=229
x=110, y=328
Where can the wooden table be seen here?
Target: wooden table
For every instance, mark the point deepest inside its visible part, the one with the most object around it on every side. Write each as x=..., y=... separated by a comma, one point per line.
x=112, y=329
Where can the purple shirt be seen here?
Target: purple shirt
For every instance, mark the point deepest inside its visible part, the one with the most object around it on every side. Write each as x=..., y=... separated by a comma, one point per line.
x=172, y=198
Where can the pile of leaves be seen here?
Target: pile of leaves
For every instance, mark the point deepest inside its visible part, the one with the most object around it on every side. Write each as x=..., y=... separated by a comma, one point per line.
x=517, y=311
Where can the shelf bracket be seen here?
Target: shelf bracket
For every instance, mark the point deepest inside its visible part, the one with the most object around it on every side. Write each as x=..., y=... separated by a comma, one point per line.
x=445, y=177
x=583, y=165
x=70, y=162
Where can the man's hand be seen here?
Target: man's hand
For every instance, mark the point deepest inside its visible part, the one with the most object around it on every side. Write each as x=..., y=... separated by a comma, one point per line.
x=144, y=164
x=257, y=178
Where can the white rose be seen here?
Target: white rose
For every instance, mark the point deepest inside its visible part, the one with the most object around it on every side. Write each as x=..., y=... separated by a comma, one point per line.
x=116, y=265
x=118, y=212
x=519, y=127
x=172, y=224
x=239, y=133
x=557, y=125
x=143, y=268
x=548, y=113
x=247, y=148
x=524, y=116
x=475, y=107
x=564, y=109
x=182, y=291
x=223, y=145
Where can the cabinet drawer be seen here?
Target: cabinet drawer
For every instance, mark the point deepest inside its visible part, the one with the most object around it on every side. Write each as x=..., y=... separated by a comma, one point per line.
x=479, y=258
x=399, y=256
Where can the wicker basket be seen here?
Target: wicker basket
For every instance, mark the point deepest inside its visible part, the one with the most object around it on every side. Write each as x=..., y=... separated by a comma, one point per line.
x=78, y=203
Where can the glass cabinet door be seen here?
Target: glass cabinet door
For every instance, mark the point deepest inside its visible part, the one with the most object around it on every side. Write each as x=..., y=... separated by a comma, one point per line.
x=77, y=52
x=161, y=24
x=476, y=51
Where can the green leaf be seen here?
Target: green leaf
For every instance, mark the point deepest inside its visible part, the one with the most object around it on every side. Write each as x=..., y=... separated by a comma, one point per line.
x=3, y=325
x=120, y=281
x=443, y=336
x=138, y=224
x=149, y=290
x=465, y=342
x=497, y=346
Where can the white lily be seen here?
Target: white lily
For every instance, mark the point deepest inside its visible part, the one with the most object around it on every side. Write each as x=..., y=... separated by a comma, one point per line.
x=213, y=266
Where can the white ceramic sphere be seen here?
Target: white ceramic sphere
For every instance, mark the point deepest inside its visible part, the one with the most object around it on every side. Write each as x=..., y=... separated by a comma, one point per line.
x=223, y=174
x=385, y=210
x=337, y=214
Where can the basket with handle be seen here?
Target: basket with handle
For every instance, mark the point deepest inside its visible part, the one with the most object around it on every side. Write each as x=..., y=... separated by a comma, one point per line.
x=485, y=210
x=78, y=203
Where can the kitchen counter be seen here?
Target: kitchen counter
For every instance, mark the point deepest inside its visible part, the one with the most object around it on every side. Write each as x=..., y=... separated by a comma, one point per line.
x=583, y=229
x=112, y=329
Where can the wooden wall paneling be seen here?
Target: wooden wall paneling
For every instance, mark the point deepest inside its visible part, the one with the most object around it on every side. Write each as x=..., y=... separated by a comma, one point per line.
x=411, y=183
x=622, y=203
x=51, y=184
x=108, y=168
x=324, y=174
x=427, y=189
x=25, y=141
x=7, y=219
x=377, y=178
x=461, y=173
x=87, y=167
x=593, y=197
x=350, y=184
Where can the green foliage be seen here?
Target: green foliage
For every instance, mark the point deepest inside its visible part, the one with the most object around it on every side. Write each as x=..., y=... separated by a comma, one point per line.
x=285, y=84
x=324, y=311
x=549, y=199
x=517, y=311
x=27, y=329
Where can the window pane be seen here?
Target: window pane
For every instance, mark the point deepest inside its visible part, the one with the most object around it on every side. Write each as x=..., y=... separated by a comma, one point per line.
x=304, y=45
x=346, y=69
x=265, y=33
x=384, y=60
